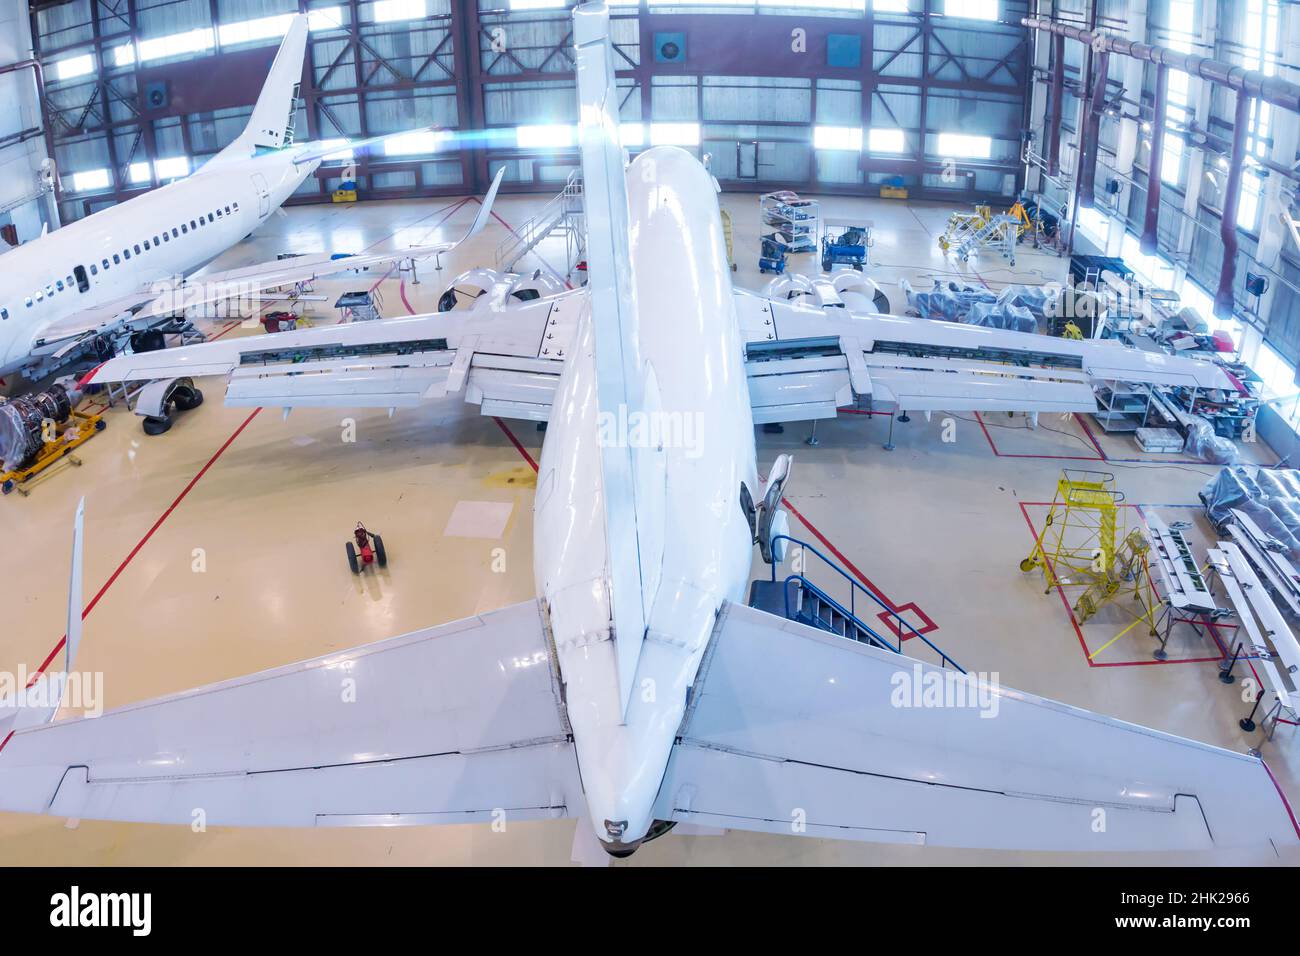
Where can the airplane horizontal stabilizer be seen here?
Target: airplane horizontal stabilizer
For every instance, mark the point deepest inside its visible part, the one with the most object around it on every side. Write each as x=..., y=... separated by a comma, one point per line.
x=791, y=730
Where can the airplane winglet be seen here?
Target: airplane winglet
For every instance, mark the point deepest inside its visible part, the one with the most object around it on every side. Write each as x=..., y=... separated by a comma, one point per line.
x=74, y=587
x=485, y=211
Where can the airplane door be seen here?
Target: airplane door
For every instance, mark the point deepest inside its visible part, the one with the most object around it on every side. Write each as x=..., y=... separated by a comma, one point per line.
x=263, y=194
x=83, y=283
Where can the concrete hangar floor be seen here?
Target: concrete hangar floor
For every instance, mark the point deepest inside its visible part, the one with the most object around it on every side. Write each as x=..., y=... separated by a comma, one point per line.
x=939, y=527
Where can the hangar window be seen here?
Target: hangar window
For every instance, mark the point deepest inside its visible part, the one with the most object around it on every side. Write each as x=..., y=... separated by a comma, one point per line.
x=965, y=146
x=971, y=9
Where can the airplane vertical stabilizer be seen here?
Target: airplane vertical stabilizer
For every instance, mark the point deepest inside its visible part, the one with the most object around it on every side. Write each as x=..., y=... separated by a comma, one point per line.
x=271, y=125
x=614, y=322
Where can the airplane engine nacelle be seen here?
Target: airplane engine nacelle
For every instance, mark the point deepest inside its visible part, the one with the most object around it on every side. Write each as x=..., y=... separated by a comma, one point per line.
x=467, y=287
x=537, y=285
x=788, y=287
x=859, y=293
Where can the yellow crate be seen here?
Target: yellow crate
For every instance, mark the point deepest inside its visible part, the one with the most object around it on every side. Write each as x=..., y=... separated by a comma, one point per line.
x=893, y=192
x=345, y=195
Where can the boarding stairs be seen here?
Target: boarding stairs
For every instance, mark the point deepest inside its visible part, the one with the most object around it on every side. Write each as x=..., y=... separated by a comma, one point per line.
x=796, y=598
x=563, y=216
x=1000, y=232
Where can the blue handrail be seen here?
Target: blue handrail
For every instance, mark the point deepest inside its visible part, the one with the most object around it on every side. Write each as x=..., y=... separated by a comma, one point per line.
x=822, y=595
x=854, y=587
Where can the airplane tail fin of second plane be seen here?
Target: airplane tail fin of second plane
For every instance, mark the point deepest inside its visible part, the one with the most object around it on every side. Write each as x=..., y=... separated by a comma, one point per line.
x=272, y=123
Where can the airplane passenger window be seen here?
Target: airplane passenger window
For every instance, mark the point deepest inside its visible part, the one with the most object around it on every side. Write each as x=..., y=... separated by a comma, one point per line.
x=218, y=213
x=29, y=303
x=126, y=254
x=236, y=205
x=185, y=229
x=227, y=210
x=211, y=218
x=155, y=240
x=60, y=285
x=40, y=297
x=166, y=238
x=146, y=244
x=193, y=224
x=117, y=261
x=4, y=314
x=105, y=264
x=94, y=269
x=176, y=234
x=137, y=248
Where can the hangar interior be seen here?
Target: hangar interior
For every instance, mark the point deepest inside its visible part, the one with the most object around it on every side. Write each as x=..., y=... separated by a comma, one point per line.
x=1008, y=164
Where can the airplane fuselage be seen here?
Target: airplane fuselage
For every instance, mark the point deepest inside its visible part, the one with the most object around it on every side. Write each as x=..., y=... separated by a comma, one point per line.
x=164, y=233
x=699, y=537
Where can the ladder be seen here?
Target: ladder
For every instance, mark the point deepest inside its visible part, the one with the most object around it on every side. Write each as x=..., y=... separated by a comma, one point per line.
x=797, y=598
x=563, y=215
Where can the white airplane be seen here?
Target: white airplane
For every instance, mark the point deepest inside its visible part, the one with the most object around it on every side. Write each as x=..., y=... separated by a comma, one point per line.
x=638, y=690
x=78, y=291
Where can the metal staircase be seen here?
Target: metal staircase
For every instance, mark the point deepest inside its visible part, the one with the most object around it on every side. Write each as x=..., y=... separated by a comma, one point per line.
x=562, y=216
x=796, y=598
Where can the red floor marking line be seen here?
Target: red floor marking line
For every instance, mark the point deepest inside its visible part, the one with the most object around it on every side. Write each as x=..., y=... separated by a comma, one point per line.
x=1002, y=454
x=515, y=441
x=143, y=541
x=930, y=625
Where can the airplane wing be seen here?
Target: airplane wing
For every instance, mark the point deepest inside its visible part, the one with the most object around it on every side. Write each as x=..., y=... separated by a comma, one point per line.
x=161, y=299
x=804, y=362
x=504, y=357
x=454, y=724
x=794, y=731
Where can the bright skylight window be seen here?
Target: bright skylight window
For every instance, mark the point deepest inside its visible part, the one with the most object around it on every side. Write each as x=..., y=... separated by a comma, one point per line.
x=536, y=4
x=91, y=180
x=859, y=5
x=388, y=11
x=971, y=9
x=838, y=137
x=963, y=146
x=138, y=173
x=266, y=28
x=178, y=44
x=883, y=139
x=675, y=134
x=124, y=55
x=547, y=136
x=420, y=143
x=173, y=167
x=344, y=155
x=889, y=6
x=74, y=66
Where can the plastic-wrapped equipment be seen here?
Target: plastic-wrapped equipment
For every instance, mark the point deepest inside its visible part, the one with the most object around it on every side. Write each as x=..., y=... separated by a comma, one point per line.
x=1270, y=497
x=1204, y=444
